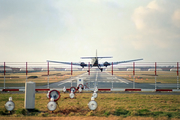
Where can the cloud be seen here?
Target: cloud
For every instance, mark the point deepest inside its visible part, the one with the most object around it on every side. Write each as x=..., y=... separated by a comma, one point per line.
x=154, y=25
x=176, y=18
x=152, y=16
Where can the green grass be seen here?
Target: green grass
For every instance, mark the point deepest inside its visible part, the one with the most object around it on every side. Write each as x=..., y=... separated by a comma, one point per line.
x=114, y=104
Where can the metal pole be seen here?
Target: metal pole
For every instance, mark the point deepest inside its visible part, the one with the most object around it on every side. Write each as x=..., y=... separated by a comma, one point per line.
x=112, y=68
x=71, y=74
x=155, y=83
x=71, y=70
x=155, y=75
x=177, y=82
x=4, y=75
x=95, y=80
x=26, y=71
x=48, y=74
x=112, y=75
x=89, y=74
x=89, y=68
x=177, y=75
x=133, y=75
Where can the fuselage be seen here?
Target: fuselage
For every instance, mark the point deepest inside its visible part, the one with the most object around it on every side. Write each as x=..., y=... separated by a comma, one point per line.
x=94, y=62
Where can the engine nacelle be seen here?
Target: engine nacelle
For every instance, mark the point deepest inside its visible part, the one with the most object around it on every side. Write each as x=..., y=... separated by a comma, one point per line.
x=106, y=64
x=83, y=64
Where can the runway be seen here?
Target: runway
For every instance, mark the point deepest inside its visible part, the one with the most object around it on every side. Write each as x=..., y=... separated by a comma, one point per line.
x=106, y=80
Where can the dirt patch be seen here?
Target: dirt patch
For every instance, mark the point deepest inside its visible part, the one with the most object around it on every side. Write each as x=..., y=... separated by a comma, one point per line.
x=68, y=111
x=85, y=118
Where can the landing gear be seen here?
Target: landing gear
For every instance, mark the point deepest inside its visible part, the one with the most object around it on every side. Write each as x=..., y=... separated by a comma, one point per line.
x=101, y=69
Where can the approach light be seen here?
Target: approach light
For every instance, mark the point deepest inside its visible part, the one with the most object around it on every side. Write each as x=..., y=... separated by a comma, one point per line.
x=9, y=104
x=71, y=95
x=80, y=89
x=92, y=104
x=96, y=89
x=54, y=94
x=48, y=94
x=73, y=89
x=51, y=105
x=64, y=89
x=95, y=94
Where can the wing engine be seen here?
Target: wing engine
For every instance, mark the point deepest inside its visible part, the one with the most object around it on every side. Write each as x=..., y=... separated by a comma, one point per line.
x=82, y=64
x=106, y=64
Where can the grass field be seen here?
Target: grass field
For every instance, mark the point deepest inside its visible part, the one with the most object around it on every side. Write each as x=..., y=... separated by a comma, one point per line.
x=19, y=79
x=109, y=105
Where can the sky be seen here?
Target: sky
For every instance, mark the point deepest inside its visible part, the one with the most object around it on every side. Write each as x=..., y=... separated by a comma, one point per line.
x=65, y=30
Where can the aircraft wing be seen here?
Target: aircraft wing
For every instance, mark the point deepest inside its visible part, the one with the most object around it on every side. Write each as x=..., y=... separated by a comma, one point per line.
x=68, y=63
x=115, y=63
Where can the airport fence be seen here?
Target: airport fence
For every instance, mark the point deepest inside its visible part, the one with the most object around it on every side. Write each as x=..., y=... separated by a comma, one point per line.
x=144, y=75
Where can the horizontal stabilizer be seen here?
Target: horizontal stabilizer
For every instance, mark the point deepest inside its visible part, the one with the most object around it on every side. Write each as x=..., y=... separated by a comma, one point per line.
x=94, y=57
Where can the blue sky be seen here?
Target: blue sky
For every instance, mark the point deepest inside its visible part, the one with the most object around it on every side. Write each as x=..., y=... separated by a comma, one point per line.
x=65, y=30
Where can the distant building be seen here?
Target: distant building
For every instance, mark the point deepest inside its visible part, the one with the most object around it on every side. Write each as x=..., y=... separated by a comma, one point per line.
x=122, y=69
x=16, y=69
x=60, y=69
x=38, y=69
x=131, y=69
x=7, y=69
x=153, y=69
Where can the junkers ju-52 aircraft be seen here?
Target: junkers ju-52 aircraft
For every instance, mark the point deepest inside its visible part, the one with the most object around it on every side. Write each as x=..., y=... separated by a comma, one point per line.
x=95, y=62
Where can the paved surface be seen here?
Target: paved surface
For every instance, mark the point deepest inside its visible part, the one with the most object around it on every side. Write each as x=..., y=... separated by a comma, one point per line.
x=106, y=80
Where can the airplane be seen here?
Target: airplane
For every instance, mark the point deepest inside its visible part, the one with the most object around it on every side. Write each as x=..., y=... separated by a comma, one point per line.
x=95, y=62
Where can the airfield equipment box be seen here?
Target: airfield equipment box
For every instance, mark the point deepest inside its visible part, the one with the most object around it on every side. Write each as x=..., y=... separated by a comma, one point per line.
x=80, y=81
x=29, y=102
